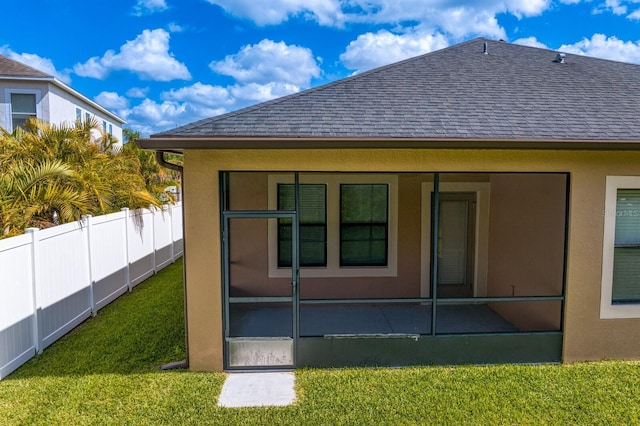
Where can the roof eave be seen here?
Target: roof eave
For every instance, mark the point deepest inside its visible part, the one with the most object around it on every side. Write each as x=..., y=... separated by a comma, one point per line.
x=179, y=144
x=69, y=89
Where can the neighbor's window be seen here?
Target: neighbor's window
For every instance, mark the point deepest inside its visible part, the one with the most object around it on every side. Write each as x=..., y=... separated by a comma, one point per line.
x=363, y=224
x=313, y=224
x=626, y=252
x=23, y=106
x=78, y=114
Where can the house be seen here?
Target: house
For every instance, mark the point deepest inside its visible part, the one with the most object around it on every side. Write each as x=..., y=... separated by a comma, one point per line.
x=477, y=204
x=27, y=92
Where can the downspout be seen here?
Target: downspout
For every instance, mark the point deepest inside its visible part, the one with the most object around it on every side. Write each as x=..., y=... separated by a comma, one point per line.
x=185, y=362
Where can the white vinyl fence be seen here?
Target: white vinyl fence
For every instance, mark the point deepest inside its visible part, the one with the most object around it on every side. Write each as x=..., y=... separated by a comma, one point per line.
x=51, y=280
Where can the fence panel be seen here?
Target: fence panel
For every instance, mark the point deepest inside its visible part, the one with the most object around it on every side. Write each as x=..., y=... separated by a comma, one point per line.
x=162, y=238
x=53, y=279
x=176, y=229
x=140, y=241
x=63, y=280
x=16, y=304
x=108, y=247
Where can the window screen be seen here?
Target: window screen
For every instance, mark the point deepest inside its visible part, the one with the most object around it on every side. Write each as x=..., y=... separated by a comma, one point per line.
x=363, y=224
x=23, y=106
x=626, y=260
x=313, y=224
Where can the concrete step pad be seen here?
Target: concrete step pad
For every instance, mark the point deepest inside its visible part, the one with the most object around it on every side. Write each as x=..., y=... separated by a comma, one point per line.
x=258, y=389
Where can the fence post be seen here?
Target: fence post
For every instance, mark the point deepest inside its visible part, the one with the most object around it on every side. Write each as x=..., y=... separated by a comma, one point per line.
x=35, y=281
x=153, y=238
x=170, y=209
x=92, y=302
x=125, y=211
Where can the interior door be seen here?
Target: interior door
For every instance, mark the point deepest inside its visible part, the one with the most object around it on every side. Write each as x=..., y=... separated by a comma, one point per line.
x=456, y=244
x=261, y=323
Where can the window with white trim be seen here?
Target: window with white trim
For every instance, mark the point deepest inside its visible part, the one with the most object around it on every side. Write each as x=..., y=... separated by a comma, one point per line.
x=620, y=296
x=360, y=225
x=21, y=104
x=23, y=107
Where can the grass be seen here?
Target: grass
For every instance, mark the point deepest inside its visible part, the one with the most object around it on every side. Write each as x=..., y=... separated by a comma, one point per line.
x=107, y=372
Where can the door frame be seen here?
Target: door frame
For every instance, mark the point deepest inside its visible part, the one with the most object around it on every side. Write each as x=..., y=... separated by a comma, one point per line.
x=481, y=249
x=466, y=287
x=294, y=298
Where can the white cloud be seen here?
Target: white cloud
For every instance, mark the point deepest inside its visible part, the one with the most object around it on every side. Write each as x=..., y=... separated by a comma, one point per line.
x=38, y=62
x=268, y=62
x=147, y=7
x=175, y=28
x=147, y=56
x=454, y=17
x=372, y=50
x=530, y=41
x=634, y=16
x=201, y=94
x=112, y=101
x=152, y=117
x=605, y=47
x=269, y=12
x=254, y=92
x=138, y=92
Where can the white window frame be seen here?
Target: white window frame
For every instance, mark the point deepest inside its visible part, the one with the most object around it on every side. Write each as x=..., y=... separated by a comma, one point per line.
x=481, y=261
x=9, y=113
x=333, y=268
x=608, y=310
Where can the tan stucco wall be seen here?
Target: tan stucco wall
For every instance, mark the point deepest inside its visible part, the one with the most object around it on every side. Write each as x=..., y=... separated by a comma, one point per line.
x=586, y=336
x=526, y=246
x=249, y=248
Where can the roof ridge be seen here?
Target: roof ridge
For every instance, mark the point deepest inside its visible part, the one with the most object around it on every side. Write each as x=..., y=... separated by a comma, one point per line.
x=311, y=90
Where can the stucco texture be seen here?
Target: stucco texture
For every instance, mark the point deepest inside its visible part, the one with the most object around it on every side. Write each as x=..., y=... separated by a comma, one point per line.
x=586, y=336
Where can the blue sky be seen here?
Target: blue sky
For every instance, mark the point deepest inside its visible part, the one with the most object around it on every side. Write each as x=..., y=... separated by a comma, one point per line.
x=164, y=63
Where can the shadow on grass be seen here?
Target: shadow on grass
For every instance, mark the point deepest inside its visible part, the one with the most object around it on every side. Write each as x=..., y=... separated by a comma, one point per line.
x=137, y=333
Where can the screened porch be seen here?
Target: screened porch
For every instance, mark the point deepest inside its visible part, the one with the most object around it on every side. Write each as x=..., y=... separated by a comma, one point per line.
x=335, y=269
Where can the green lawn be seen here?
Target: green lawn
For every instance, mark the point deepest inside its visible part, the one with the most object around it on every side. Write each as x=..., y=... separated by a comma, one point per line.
x=107, y=372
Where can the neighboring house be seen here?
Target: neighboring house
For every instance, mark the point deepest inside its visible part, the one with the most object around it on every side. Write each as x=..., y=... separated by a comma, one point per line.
x=26, y=92
x=476, y=204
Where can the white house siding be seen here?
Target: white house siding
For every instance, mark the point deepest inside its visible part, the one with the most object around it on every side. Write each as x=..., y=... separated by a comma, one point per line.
x=11, y=86
x=62, y=106
x=56, y=105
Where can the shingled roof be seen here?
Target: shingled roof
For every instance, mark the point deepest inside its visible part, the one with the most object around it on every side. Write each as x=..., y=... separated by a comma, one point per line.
x=11, y=68
x=512, y=93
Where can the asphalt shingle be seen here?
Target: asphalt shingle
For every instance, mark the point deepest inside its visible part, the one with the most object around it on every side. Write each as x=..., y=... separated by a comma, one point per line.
x=11, y=68
x=513, y=92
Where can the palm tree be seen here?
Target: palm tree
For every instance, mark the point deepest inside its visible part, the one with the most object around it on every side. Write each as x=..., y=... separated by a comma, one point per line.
x=52, y=173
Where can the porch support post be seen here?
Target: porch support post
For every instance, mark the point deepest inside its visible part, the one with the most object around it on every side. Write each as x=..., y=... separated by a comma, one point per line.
x=295, y=263
x=435, y=212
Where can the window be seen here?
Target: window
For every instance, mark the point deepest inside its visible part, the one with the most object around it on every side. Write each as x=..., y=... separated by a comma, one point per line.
x=620, y=294
x=110, y=129
x=343, y=247
x=23, y=107
x=87, y=116
x=363, y=224
x=104, y=126
x=626, y=252
x=313, y=225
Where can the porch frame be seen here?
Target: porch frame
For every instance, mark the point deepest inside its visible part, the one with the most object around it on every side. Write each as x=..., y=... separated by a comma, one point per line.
x=398, y=349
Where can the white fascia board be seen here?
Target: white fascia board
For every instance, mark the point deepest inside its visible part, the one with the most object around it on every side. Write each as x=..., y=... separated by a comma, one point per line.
x=70, y=90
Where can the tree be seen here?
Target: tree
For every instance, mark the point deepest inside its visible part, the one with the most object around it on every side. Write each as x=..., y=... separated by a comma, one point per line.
x=53, y=174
